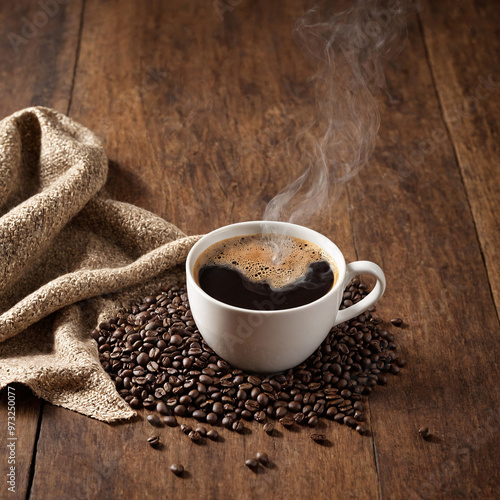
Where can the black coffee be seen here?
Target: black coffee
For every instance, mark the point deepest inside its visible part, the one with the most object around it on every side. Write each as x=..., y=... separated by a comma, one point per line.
x=254, y=273
x=232, y=287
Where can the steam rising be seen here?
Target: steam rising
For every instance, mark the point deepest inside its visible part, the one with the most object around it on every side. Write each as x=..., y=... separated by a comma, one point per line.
x=350, y=48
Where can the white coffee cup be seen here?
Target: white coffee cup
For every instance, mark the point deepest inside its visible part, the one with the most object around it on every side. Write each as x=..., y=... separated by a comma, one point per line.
x=271, y=341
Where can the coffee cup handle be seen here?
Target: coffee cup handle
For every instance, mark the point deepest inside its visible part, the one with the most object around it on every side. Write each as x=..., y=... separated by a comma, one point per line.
x=353, y=269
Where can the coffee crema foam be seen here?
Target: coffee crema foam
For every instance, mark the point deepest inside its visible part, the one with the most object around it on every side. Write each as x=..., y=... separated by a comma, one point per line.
x=256, y=257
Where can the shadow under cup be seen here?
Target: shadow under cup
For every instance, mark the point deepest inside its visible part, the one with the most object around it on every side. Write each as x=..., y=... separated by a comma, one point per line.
x=270, y=341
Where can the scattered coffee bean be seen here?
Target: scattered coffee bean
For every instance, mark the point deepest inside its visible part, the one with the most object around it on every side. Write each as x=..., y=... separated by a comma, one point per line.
x=194, y=436
x=397, y=321
x=358, y=405
x=154, y=420
x=260, y=416
x=281, y=412
x=359, y=416
x=170, y=420
x=177, y=469
x=263, y=458
x=313, y=421
x=186, y=429
x=252, y=463
x=361, y=429
x=161, y=408
x=238, y=426
x=199, y=414
x=425, y=433
x=154, y=441
x=319, y=438
x=159, y=361
x=300, y=418
x=213, y=435
x=201, y=431
x=227, y=422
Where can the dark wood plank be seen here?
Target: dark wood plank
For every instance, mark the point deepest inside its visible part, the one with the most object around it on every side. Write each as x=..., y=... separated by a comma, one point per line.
x=19, y=439
x=38, y=49
x=467, y=77
x=200, y=148
x=36, y=68
x=416, y=221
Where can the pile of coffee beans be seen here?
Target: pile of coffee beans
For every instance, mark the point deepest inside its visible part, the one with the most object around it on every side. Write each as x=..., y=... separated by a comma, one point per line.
x=159, y=361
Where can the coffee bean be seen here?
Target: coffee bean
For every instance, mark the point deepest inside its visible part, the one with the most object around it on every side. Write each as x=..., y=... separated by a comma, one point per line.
x=255, y=392
x=180, y=410
x=154, y=441
x=212, y=418
x=260, y=416
x=201, y=431
x=175, y=340
x=170, y=420
x=300, y=418
x=237, y=426
x=252, y=464
x=319, y=438
x=252, y=405
x=313, y=421
x=213, y=435
x=186, y=429
x=262, y=399
x=358, y=405
x=159, y=361
x=153, y=420
x=263, y=458
x=331, y=411
x=199, y=414
x=254, y=380
x=205, y=380
x=397, y=321
x=361, y=429
x=177, y=469
x=142, y=359
x=425, y=433
x=227, y=422
x=281, y=412
x=359, y=416
x=194, y=436
x=350, y=421
x=339, y=417
x=161, y=407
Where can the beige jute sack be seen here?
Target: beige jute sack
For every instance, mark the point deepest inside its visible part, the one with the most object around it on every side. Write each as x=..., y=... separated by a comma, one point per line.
x=70, y=258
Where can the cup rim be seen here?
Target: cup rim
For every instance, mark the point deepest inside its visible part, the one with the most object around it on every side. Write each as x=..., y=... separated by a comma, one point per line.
x=341, y=266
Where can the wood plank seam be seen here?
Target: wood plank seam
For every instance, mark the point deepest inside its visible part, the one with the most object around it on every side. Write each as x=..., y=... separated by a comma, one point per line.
x=456, y=157
x=35, y=446
x=77, y=56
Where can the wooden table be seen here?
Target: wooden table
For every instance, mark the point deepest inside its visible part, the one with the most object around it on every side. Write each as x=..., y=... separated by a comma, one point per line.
x=196, y=113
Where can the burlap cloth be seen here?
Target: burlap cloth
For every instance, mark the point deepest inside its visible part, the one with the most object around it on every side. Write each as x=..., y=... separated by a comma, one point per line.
x=70, y=257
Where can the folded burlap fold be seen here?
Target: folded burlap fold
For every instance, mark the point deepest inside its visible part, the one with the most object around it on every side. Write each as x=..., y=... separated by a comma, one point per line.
x=70, y=257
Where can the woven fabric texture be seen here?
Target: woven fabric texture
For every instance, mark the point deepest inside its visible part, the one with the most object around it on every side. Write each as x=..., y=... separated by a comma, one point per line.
x=70, y=258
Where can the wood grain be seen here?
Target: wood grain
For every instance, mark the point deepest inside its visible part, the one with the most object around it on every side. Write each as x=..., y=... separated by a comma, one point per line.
x=201, y=149
x=198, y=115
x=38, y=54
x=26, y=419
x=425, y=240
x=467, y=79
